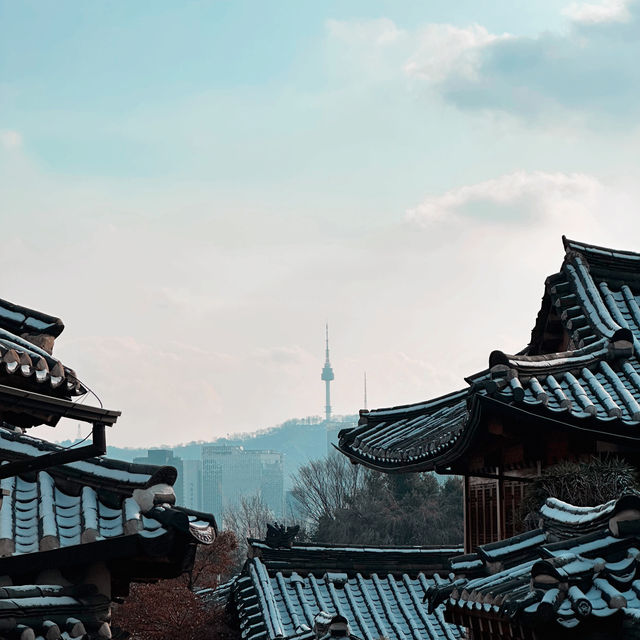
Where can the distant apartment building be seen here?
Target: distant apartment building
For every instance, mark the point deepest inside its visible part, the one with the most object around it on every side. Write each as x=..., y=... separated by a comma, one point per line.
x=165, y=457
x=334, y=427
x=231, y=472
x=192, y=484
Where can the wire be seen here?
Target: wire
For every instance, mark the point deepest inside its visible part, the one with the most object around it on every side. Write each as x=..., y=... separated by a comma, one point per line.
x=75, y=444
x=91, y=391
x=80, y=401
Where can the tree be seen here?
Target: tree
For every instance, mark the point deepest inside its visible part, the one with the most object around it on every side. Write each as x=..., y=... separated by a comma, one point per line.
x=325, y=486
x=173, y=608
x=246, y=519
x=587, y=483
x=349, y=504
x=213, y=563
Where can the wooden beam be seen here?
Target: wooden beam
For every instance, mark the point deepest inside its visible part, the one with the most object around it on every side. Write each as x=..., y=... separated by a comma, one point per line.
x=13, y=399
x=498, y=476
x=98, y=447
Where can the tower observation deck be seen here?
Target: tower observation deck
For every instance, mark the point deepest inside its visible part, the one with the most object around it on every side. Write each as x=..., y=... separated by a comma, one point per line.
x=327, y=376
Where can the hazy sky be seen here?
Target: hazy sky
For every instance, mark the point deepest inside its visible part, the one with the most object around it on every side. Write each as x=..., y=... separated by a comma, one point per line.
x=195, y=187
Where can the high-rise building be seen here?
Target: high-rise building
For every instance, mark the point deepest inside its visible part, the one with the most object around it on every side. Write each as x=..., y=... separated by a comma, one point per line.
x=231, y=472
x=192, y=484
x=165, y=457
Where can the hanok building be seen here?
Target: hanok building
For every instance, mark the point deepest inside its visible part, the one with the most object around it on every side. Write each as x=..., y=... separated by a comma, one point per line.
x=573, y=392
x=75, y=528
x=577, y=576
x=315, y=591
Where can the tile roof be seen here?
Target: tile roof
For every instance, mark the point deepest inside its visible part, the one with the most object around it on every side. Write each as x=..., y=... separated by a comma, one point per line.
x=21, y=320
x=108, y=474
x=90, y=502
x=409, y=434
x=583, y=564
x=26, y=366
x=26, y=343
x=278, y=596
x=594, y=384
x=73, y=516
x=82, y=530
x=49, y=612
x=308, y=556
x=38, y=516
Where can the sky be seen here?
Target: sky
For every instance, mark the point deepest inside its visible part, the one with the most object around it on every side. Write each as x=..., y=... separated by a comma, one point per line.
x=195, y=188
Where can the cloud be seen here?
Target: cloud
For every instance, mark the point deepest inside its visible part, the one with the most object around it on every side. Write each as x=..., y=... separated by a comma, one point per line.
x=10, y=139
x=606, y=11
x=592, y=73
x=586, y=74
x=283, y=357
x=444, y=50
x=516, y=198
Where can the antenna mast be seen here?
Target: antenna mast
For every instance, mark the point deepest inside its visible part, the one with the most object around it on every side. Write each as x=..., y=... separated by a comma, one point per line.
x=365, y=390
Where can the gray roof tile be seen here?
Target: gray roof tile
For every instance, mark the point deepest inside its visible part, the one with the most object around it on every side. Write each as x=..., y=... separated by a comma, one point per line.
x=590, y=571
x=283, y=602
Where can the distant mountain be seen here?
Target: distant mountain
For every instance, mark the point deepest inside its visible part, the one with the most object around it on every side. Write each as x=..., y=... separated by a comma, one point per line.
x=301, y=440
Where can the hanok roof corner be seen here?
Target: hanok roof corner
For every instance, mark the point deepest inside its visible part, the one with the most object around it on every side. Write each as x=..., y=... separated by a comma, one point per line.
x=574, y=577
x=35, y=387
x=580, y=371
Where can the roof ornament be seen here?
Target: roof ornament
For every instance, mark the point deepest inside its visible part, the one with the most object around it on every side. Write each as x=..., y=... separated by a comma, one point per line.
x=502, y=373
x=500, y=367
x=621, y=344
x=326, y=626
x=281, y=537
x=498, y=358
x=625, y=519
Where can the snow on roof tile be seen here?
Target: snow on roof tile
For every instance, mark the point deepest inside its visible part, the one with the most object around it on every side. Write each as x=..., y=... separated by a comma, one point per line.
x=378, y=605
x=26, y=365
x=567, y=582
x=86, y=501
x=403, y=434
x=19, y=320
x=51, y=611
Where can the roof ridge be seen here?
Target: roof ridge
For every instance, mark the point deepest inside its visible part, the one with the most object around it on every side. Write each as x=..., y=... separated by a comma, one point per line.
x=417, y=406
x=29, y=320
x=579, y=246
x=318, y=546
x=552, y=362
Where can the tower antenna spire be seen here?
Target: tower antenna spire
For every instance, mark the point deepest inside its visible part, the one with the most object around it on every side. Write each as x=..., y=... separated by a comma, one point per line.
x=365, y=391
x=326, y=334
x=327, y=376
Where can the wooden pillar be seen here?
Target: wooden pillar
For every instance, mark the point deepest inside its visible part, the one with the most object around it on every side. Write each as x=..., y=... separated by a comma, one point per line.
x=467, y=516
x=501, y=528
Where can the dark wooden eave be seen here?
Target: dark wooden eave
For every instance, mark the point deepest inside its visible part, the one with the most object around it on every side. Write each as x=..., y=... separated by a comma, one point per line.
x=530, y=421
x=30, y=401
x=17, y=399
